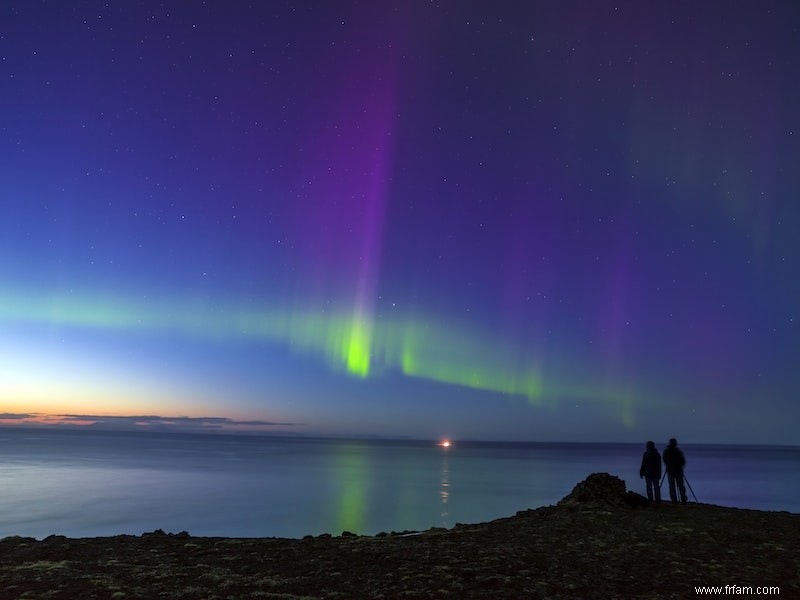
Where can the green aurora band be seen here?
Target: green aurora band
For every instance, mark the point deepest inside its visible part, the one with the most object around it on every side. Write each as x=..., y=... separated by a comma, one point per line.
x=359, y=346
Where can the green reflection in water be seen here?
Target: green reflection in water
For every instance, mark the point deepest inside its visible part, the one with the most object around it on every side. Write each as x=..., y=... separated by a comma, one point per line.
x=352, y=466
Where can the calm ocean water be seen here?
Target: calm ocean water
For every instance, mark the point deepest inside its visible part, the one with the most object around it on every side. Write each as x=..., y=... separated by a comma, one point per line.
x=91, y=483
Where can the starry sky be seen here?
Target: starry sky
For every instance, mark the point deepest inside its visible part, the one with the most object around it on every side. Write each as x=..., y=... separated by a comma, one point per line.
x=570, y=221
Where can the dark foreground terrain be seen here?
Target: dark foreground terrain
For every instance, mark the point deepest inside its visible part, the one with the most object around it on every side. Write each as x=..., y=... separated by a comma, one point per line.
x=595, y=544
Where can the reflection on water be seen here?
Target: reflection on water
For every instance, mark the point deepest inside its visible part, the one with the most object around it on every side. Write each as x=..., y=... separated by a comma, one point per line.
x=444, y=488
x=92, y=483
x=352, y=466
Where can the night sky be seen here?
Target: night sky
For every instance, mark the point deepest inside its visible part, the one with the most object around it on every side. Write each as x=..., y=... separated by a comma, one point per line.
x=479, y=220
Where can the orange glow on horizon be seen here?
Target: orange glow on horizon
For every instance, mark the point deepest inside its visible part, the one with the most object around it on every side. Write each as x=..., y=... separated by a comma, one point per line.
x=44, y=419
x=142, y=422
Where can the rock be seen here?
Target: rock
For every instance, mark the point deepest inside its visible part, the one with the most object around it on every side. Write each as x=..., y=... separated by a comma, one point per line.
x=602, y=488
x=156, y=533
x=635, y=500
x=597, y=488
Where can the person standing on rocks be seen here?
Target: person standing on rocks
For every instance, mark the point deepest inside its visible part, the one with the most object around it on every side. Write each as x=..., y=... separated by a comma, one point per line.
x=651, y=472
x=674, y=461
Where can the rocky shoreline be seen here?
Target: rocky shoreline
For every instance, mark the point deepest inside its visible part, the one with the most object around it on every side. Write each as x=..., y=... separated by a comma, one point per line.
x=598, y=542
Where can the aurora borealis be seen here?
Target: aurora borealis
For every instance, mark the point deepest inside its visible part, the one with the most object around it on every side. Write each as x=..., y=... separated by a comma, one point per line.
x=507, y=221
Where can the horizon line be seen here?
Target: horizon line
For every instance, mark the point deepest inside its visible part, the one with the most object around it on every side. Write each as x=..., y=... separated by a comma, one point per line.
x=172, y=425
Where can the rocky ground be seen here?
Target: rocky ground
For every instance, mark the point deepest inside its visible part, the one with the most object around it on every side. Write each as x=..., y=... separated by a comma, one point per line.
x=596, y=543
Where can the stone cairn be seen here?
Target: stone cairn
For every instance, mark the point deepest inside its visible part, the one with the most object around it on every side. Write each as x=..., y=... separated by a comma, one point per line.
x=602, y=488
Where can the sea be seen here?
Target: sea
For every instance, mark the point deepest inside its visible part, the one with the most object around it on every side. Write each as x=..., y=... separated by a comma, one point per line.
x=93, y=483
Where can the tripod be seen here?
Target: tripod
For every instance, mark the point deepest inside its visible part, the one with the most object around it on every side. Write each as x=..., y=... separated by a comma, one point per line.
x=685, y=480
x=690, y=488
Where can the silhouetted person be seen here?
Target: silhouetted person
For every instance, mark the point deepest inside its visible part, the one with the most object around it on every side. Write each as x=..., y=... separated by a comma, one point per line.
x=651, y=471
x=674, y=461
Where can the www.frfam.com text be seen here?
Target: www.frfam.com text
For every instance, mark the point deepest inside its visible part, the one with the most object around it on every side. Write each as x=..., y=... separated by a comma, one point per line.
x=737, y=590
